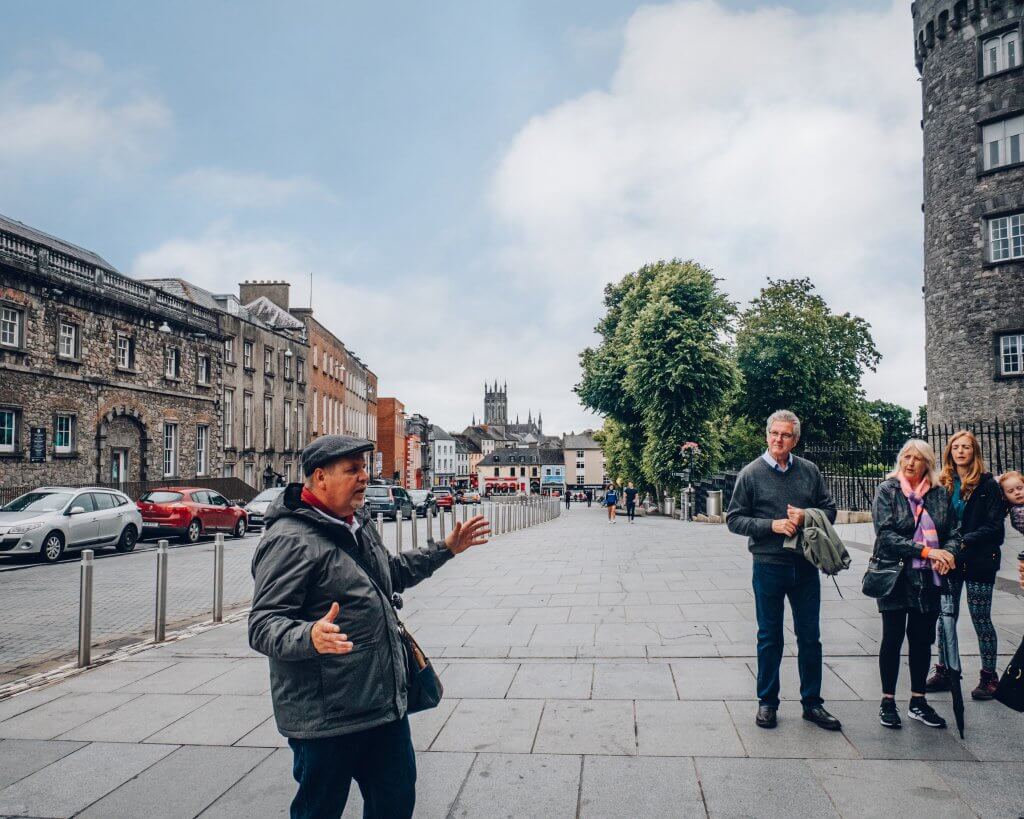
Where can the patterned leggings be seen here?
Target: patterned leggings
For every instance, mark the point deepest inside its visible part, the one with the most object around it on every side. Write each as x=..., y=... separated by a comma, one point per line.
x=979, y=603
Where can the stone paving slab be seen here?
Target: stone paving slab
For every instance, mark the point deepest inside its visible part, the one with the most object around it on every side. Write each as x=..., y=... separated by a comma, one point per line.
x=634, y=696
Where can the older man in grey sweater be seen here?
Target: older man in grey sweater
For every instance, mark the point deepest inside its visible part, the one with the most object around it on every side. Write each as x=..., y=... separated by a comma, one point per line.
x=768, y=506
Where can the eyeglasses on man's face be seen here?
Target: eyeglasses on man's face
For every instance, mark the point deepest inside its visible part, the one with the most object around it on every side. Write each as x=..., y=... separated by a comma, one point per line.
x=784, y=436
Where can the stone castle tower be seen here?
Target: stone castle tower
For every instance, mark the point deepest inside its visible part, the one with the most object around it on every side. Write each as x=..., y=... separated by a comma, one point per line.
x=496, y=404
x=972, y=82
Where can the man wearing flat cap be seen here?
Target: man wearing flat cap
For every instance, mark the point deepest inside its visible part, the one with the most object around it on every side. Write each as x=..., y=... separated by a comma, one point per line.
x=337, y=661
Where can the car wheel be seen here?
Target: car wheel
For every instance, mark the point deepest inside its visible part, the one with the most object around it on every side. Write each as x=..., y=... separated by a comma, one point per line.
x=195, y=529
x=129, y=537
x=240, y=528
x=53, y=548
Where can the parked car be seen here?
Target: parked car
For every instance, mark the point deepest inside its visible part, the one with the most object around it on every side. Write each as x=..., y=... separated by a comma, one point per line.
x=189, y=512
x=257, y=507
x=389, y=500
x=469, y=496
x=51, y=519
x=443, y=497
x=422, y=500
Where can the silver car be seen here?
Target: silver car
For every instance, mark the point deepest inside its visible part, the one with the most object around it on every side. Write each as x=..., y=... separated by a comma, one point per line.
x=51, y=519
x=258, y=506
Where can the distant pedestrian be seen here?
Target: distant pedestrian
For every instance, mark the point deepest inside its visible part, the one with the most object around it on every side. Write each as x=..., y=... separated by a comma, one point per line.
x=914, y=535
x=568, y=498
x=979, y=510
x=768, y=505
x=589, y=494
x=322, y=612
x=630, y=493
x=611, y=498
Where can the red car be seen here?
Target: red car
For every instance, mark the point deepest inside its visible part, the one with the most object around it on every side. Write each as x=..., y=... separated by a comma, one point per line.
x=443, y=498
x=189, y=512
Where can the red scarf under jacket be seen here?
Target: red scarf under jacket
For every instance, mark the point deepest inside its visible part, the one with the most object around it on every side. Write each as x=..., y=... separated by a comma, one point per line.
x=310, y=499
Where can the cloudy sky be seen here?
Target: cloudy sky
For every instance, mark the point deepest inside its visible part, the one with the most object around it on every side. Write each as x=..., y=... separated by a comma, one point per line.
x=462, y=179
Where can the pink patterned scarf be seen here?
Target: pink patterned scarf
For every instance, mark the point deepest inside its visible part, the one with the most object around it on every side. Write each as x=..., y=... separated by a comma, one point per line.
x=925, y=535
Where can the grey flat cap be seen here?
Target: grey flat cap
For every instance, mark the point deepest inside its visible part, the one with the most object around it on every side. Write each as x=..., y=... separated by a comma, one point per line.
x=328, y=448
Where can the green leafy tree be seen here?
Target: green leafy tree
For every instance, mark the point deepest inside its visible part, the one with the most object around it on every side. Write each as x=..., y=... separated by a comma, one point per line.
x=623, y=451
x=795, y=353
x=663, y=369
x=894, y=420
x=922, y=415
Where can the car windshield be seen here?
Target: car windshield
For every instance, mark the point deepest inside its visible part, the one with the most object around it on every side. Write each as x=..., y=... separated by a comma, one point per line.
x=268, y=495
x=418, y=494
x=440, y=491
x=161, y=497
x=38, y=502
x=377, y=492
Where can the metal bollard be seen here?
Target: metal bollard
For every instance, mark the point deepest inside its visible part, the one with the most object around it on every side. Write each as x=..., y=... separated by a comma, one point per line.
x=415, y=533
x=440, y=521
x=218, y=579
x=430, y=523
x=398, y=531
x=85, y=609
x=465, y=512
x=380, y=525
x=160, y=620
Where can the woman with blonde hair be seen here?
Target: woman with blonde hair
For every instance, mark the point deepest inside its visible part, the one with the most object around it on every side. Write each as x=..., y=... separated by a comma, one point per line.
x=978, y=510
x=914, y=533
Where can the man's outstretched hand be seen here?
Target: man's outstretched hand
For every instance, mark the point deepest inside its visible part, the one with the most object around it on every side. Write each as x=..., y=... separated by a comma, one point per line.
x=327, y=637
x=471, y=533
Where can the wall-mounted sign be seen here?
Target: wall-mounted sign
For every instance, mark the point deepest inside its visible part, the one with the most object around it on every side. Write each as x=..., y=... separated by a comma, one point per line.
x=37, y=445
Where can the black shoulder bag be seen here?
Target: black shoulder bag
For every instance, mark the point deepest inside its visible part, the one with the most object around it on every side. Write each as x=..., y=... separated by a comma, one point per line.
x=881, y=576
x=423, y=684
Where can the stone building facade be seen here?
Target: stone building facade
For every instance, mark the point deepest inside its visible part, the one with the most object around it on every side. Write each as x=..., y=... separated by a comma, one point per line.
x=263, y=384
x=103, y=379
x=391, y=440
x=972, y=80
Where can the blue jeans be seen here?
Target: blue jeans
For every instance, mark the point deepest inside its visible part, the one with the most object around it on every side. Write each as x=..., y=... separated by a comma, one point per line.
x=773, y=583
x=381, y=760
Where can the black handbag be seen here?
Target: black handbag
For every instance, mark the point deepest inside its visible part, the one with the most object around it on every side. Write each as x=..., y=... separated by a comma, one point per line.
x=423, y=686
x=1010, y=691
x=880, y=577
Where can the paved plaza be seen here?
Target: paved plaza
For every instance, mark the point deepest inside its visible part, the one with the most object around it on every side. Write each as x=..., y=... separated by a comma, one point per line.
x=590, y=670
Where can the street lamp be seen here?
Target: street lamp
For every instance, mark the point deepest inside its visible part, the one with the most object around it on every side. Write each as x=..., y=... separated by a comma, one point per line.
x=164, y=328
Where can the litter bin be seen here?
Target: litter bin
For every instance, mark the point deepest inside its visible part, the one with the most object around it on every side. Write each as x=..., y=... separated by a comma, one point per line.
x=714, y=503
x=670, y=505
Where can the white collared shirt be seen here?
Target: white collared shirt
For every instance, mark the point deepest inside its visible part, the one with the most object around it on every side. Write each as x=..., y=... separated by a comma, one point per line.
x=768, y=459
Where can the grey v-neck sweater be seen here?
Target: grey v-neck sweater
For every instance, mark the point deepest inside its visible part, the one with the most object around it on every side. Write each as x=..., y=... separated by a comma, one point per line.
x=761, y=496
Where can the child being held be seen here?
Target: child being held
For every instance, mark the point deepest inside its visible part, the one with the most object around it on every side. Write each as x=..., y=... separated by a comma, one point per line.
x=1012, y=484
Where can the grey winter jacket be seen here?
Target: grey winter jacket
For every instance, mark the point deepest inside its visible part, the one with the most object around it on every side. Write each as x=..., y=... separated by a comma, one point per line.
x=302, y=565
x=915, y=590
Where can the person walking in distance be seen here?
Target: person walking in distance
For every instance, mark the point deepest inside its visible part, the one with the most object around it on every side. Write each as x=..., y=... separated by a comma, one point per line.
x=611, y=498
x=568, y=497
x=323, y=612
x=768, y=506
x=630, y=493
x=589, y=494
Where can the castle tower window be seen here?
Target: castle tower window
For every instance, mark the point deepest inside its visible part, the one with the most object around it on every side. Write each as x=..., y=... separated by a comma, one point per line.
x=1000, y=53
x=125, y=351
x=202, y=369
x=229, y=351
x=1011, y=354
x=202, y=448
x=1006, y=238
x=1002, y=141
x=8, y=430
x=63, y=434
x=172, y=363
x=67, y=340
x=170, y=450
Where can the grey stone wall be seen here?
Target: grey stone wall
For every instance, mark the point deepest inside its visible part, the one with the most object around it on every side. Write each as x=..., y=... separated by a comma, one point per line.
x=112, y=406
x=967, y=300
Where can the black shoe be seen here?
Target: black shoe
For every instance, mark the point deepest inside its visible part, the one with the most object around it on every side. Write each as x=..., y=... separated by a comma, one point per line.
x=889, y=714
x=921, y=711
x=822, y=718
x=765, y=717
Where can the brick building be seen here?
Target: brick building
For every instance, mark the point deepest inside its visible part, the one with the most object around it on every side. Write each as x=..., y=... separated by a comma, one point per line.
x=263, y=384
x=102, y=378
x=972, y=87
x=391, y=439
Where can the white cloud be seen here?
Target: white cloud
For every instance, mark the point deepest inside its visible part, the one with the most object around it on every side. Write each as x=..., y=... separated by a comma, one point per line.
x=74, y=114
x=250, y=190
x=761, y=143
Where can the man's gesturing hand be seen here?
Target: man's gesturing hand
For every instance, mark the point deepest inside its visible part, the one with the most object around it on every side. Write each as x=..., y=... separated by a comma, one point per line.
x=471, y=533
x=784, y=526
x=327, y=637
x=795, y=515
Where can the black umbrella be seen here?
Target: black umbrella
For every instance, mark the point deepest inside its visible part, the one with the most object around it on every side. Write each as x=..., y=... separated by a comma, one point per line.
x=947, y=622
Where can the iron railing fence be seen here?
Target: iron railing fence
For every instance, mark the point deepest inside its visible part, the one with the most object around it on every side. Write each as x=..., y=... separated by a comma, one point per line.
x=234, y=489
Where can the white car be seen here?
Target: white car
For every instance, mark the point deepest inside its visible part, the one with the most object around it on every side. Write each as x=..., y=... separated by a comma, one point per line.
x=51, y=519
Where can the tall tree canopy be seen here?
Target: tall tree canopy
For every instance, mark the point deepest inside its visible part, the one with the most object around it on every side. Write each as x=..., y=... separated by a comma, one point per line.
x=795, y=353
x=895, y=421
x=663, y=369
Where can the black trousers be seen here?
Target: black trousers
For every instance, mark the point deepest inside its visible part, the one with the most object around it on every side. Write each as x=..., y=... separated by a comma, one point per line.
x=381, y=760
x=631, y=510
x=920, y=631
